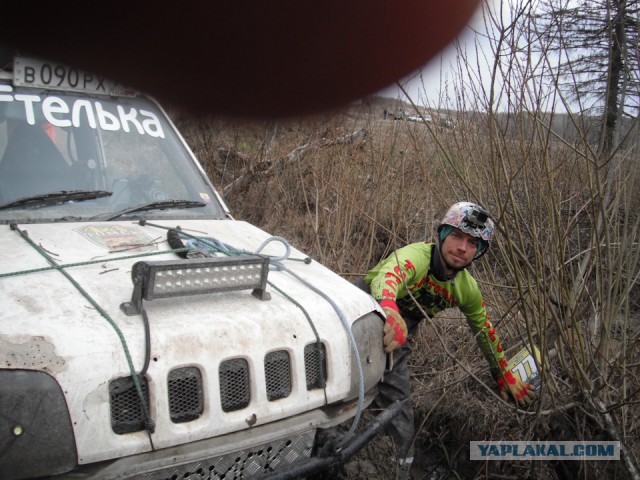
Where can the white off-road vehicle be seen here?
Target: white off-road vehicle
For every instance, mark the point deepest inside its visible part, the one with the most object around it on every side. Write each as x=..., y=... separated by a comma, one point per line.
x=144, y=332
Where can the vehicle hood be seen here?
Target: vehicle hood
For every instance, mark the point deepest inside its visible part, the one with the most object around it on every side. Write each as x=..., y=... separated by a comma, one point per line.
x=66, y=320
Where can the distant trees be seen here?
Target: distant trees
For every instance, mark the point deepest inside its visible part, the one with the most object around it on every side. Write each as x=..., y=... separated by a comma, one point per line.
x=596, y=44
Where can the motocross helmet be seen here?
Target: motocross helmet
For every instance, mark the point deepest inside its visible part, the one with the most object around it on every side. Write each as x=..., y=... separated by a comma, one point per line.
x=472, y=219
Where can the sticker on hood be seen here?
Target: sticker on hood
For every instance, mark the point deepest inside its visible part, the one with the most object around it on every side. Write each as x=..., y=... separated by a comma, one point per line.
x=118, y=238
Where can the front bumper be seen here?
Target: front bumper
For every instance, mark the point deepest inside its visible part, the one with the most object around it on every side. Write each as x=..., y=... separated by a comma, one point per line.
x=270, y=456
x=342, y=451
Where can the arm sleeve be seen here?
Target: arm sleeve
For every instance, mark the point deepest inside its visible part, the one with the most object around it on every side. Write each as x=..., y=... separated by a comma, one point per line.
x=389, y=277
x=480, y=323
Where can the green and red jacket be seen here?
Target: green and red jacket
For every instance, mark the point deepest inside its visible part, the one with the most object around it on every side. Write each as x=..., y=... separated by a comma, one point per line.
x=410, y=267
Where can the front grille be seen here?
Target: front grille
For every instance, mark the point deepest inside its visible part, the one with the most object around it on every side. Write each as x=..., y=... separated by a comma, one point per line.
x=234, y=384
x=185, y=388
x=185, y=394
x=315, y=365
x=126, y=410
x=277, y=373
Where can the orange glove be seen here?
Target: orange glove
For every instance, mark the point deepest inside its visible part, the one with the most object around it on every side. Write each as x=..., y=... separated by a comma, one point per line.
x=395, y=330
x=522, y=392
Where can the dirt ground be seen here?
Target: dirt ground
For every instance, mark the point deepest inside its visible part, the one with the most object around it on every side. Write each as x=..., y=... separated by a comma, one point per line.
x=375, y=462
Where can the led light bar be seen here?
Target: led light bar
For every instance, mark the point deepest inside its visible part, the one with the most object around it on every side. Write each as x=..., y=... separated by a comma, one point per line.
x=164, y=279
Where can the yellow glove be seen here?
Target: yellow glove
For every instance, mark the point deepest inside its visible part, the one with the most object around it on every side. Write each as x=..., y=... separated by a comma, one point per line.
x=522, y=392
x=395, y=330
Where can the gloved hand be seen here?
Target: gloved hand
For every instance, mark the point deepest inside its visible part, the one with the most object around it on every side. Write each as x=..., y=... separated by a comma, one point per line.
x=522, y=392
x=395, y=330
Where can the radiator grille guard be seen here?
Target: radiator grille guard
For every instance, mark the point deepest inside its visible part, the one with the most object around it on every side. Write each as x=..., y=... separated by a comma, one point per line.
x=244, y=464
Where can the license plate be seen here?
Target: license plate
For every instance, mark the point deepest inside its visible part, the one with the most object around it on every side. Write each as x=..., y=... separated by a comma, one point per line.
x=30, y=72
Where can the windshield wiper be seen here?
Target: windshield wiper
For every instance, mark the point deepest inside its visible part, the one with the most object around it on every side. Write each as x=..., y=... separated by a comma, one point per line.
x=56, y=198
x=160, y=205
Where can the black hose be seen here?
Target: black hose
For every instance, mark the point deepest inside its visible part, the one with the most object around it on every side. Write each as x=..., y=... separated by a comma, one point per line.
x=175, y=242
x=147, y=343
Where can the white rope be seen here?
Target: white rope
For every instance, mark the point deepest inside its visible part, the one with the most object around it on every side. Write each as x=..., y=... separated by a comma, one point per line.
x=277, y=262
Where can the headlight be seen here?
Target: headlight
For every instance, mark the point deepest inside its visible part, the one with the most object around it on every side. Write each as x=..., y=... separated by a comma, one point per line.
x=367, y=332
x=36, y=438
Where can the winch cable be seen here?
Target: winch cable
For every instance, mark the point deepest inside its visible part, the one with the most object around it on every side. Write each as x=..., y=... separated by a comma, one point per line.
x=149, y=424
x=345, y=323
x=275, y=262
x=279, y=265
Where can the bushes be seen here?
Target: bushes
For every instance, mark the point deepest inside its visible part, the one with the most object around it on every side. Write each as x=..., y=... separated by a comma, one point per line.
x=563, y=272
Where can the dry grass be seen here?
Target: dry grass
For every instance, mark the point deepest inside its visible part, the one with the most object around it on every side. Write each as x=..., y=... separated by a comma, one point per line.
x=563, y=272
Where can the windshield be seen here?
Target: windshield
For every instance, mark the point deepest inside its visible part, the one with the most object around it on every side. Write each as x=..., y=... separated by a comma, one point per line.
x=74, y=157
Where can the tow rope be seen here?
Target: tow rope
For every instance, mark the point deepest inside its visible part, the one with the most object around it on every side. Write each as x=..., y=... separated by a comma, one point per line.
x=345, y=323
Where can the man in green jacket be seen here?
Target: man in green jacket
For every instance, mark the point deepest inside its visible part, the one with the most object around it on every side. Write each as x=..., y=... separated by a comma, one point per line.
x=437, y=278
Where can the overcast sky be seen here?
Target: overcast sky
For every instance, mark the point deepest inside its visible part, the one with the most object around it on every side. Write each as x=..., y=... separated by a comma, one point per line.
x=432, y=85
x=428, y=83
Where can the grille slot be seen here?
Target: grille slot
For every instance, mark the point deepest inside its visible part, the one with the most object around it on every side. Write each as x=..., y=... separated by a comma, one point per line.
x=185, y=394
x=126, y=412
x=234, y=384
x=315, y=365
x=277, y=372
